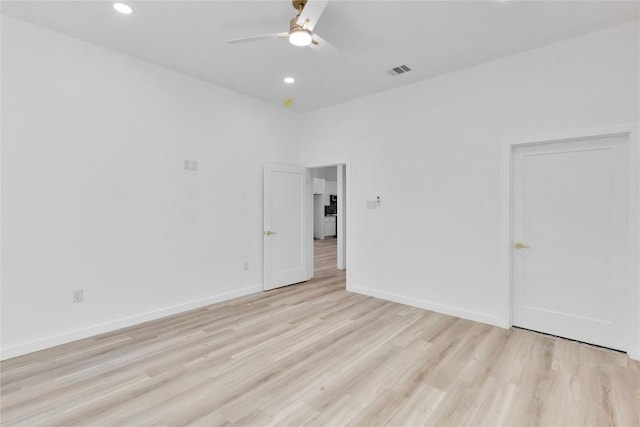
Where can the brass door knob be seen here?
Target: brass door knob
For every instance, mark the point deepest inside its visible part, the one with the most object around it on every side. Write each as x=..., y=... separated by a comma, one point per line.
x=269, y=232
x=519, y=245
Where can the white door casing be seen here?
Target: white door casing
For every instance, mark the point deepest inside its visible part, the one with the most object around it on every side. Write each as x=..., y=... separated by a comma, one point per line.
x=569, y=205
x=286, y=220
x=341, y=219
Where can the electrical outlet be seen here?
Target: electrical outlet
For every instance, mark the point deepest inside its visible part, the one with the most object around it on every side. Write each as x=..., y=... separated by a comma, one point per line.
x=78, y=295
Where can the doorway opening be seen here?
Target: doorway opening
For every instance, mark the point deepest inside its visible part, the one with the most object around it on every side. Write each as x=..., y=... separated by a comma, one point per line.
x=328, y=214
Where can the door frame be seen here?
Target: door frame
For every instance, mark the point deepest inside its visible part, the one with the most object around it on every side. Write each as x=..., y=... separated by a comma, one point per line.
x=342, y=220
x=629, y=129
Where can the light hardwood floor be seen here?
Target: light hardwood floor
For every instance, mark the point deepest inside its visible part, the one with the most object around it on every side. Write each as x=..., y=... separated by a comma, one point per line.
x=313, y=354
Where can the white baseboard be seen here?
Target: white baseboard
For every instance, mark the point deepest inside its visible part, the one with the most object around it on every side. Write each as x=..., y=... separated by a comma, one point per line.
x=428, y=305
x=100, y=328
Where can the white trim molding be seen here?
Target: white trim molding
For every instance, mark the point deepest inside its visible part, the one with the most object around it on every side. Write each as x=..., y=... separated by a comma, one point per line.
x=100, y=328
x=428, y=305
x=633, y=272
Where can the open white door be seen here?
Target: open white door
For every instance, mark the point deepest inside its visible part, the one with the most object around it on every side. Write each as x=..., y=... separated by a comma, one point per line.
x=285, y=225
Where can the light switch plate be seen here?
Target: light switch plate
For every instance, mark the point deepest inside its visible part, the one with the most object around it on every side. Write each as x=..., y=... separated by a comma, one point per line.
x=190, y=165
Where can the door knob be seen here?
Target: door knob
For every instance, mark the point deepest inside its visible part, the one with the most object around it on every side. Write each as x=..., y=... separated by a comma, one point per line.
x=269, y=232
x=519, y=245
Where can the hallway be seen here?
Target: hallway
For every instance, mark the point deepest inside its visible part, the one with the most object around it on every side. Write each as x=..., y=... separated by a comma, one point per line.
x=325, y=258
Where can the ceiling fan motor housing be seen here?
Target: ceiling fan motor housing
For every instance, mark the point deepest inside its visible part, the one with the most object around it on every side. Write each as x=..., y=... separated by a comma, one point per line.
x=298, y=35
x=293, y=25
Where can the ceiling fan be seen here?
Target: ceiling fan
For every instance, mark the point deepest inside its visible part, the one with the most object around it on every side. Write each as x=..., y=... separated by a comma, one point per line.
x=300, y=27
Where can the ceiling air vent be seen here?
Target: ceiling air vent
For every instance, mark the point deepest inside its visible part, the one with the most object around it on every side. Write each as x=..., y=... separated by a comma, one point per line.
x=400, y=69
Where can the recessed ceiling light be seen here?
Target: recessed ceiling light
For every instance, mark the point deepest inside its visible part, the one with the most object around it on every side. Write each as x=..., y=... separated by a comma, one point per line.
x=123, y=8
x=289, y=80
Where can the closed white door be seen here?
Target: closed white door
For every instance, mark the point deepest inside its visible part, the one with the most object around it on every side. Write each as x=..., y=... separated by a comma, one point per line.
x=285, y=222
x=570, y=239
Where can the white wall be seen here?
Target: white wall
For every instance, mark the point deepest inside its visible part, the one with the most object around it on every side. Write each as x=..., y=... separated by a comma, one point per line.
x=94, y=194
x=431, y=150
x=329, y=173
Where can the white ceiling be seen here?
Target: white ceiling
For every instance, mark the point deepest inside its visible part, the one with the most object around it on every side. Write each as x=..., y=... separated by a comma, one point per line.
x=431, y=37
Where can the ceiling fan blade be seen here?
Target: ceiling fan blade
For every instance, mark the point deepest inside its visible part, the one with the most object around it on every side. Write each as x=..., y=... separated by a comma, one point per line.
x=320, y=44
x=311, y=13
x=262, y=37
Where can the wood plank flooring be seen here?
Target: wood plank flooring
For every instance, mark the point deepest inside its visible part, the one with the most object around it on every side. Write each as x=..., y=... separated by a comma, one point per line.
x=313, y=354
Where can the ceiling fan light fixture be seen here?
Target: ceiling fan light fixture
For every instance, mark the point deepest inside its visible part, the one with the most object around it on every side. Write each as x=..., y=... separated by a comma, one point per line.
x=300, y=37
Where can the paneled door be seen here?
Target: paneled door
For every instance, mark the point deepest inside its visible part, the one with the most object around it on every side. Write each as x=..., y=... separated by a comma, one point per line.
x=569, y=232
x=285, y=225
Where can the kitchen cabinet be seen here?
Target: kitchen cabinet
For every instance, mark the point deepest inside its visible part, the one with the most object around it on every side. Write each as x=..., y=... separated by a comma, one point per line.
x=330, y=187
x=318, y=186
x=329, y=226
